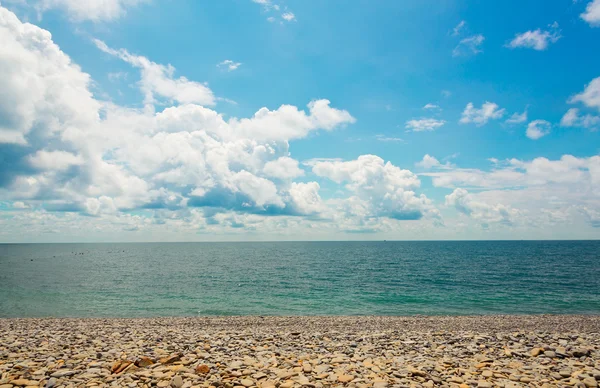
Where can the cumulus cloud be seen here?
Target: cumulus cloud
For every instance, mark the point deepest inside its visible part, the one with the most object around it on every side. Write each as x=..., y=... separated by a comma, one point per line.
x=469, y=46
x=538, y=129
x=20, y=205
x=159, y=80
x=431, y=106
x=42, y=90
x=488, y=111
x=425, y=124
x=229, y=65
x=54, y=160
x=541, y=190
x=590, y=96
x=283, y=168
x=430, y=162
x=305, y=198
x=592, y=216
x=288, y=122
x=69, y=152
x=288, y=16
x=380, y=188
x=537, y=39
x=93, y=10
x=483, y=212
x=515, y=173
x=517, y=118
x=574, y=119
x=592, y=13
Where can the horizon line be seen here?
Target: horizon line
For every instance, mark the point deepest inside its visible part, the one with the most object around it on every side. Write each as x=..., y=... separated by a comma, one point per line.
x=297, y=241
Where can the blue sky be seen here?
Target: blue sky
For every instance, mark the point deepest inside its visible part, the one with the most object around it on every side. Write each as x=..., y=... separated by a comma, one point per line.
x=146, y=120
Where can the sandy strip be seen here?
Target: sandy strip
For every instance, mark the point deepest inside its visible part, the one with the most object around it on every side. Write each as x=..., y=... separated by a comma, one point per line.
x=483, y=351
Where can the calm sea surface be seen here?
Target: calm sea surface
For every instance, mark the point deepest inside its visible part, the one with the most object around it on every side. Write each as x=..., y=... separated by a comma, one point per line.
x=299, y=278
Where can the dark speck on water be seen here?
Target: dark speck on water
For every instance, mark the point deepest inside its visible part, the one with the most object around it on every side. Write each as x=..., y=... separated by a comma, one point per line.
x=300, y=278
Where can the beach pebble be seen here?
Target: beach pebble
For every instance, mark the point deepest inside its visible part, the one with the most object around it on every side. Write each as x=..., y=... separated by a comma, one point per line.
x=23, y=382
x=177, y=382
x=63, y=373
x=345, y=378
x=536, y=352
x=361, y=352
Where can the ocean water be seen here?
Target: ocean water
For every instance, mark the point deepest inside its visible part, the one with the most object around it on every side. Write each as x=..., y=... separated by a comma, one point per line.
x=299, y=278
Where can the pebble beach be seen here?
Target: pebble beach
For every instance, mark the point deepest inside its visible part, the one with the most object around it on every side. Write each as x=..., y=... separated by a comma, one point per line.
x=288, y=352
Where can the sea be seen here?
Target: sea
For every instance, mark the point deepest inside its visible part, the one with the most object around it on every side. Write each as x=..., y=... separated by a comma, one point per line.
x=300, y=278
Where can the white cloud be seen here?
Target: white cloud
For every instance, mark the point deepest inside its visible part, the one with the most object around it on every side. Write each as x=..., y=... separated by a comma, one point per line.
x=380, y=189
x=288, y=16
x=117, y=76
x=270, y=7
x=42, y=91
x=592, y=215
x=79, y=164
x=312, y=162
x=592, y=13
x=288, y=122
x=94, y=10
x=526, y=193
x=159, y=80
x=590, y=96
x=517, y=118
x=542, y=191
x=537, y=129
x=570, y=118
x=458, y=29
x=431, y=106
x=469, y=46
x=388, y=139
x=305, y=198
x=259, y=190
x=283, y=168
x=573, y=119
x=516, y=173
x=425, y=124
x=537, y=39
x=483, y=212
x=430, y=162
x=446, y=93
x=229, y=65
x=488, y=111
x=100, y=159
x=54, y=160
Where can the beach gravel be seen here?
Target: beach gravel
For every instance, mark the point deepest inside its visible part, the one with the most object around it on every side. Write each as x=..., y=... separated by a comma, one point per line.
x=313, y=352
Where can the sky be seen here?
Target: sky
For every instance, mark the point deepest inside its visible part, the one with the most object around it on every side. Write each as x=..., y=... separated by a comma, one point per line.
x=253, y=120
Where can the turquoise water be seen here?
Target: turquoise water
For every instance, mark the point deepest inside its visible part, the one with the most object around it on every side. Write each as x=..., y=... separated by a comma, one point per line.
x=299, y=278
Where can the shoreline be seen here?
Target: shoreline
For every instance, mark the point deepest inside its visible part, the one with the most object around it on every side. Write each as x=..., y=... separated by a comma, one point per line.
x=293, y=352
